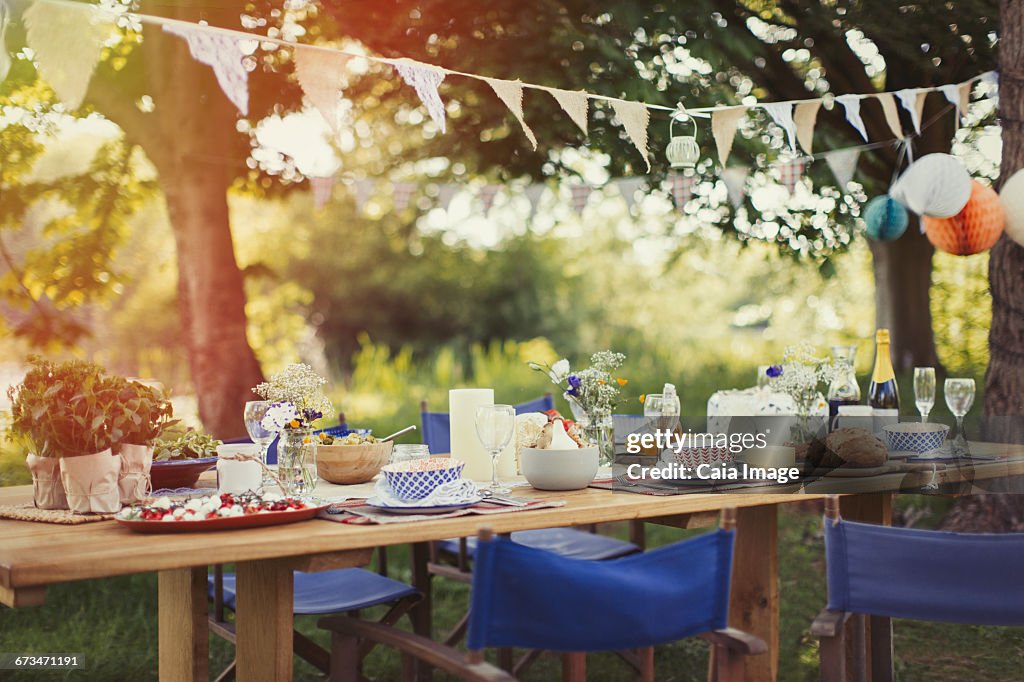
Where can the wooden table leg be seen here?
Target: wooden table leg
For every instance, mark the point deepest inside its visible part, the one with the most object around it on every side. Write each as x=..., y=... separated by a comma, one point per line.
x=422, y=614
x=182, y=630
x=873, y=508
x=754, y=602
x=264, y=620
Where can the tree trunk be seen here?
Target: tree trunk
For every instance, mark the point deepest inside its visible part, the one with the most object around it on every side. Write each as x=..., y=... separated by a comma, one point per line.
x=192, y=148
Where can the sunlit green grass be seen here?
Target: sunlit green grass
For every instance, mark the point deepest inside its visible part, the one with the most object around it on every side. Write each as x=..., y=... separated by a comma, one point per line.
x=114, y=623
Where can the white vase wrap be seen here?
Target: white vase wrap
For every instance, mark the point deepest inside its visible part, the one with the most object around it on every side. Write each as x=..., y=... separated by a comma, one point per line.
x=133, y=481
x=90, y=482
x=47, y=488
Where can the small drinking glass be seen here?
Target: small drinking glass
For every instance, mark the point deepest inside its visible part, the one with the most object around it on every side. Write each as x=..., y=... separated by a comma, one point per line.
x=495, y=425
x=959, y=399
x=924, y=390
x=255, y=410
x=408, y=452
x=654, y=405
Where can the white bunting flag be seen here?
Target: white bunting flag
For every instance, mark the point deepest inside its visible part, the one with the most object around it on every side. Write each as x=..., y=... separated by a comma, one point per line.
x=67, y=42
x=446, y=194
x=952, y=94
x=790, y=173
x=911, y=99
x=575, y=104
x=628, y=187
x=363, y=190
x=634, y=117
x=321, y=74
x=805, y=115
x=782, y=114
x=401, y=194
x=533, y=195
x=5, y=59
x=843, y=164
x=851, y=104
x=580, y=195
x=322, y=188
x=891, y=113
x=735, y=179
x=425, y=80
x=511, y=93
x=681, y=187
x=222, y=53
x=487, y=195
x=723, y=129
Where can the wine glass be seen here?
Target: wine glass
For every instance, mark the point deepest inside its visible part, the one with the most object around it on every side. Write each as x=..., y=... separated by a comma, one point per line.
x=495, y=425
x=924, y=390
x=255, y=410
x=654, y=405
x=959, y=398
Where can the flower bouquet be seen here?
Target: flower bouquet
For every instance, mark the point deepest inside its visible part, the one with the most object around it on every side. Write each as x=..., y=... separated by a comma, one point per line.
x=799, y=376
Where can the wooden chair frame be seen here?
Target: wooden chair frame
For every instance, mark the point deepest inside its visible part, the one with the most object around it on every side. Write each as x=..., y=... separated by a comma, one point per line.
x=349, y=637
x=304, y=647
x=866, y=639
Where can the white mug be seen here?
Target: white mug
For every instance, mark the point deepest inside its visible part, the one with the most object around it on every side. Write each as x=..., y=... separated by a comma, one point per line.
x=235, y=475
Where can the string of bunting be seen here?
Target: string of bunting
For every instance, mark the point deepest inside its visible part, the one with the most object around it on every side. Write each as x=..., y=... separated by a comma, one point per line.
x=67, y=40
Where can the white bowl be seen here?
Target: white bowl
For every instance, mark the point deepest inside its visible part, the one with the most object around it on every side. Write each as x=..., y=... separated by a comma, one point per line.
x=559, y=469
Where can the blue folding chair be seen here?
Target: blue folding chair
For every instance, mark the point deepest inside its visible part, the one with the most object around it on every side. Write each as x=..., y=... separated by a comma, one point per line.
x=876, y=573
x=526, y=597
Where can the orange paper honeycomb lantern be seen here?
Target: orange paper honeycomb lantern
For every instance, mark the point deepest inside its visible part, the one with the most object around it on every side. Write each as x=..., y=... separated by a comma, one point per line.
x=974, y=229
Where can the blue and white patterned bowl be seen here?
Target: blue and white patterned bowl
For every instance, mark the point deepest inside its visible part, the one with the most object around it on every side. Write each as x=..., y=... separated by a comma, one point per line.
x=915, y=436
x=416, y=479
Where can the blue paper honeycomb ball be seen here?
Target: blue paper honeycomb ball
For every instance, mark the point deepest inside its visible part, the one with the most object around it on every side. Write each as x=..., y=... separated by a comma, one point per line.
x=886, y=219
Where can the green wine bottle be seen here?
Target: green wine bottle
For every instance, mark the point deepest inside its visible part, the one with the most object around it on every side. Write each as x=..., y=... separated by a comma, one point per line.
x=883, y=393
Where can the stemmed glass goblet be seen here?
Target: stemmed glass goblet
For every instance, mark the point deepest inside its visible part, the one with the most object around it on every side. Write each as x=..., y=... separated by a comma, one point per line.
x=495, y=425
x=924, y=390
x=255, y=410
x=959, y=399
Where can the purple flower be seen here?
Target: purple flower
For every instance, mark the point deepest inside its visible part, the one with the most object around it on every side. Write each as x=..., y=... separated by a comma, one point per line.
x=774, y=371
x=574, y=385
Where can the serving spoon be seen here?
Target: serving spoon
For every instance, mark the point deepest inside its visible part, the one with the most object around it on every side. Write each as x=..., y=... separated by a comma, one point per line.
x=396, y=434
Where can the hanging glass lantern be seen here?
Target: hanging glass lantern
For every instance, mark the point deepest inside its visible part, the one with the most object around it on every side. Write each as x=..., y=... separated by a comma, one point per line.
x=682, y=151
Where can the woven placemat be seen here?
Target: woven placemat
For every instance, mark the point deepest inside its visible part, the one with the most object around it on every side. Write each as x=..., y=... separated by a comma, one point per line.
x=26, y=512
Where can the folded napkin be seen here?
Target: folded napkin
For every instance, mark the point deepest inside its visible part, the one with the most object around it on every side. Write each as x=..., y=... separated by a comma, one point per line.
x=359, y=513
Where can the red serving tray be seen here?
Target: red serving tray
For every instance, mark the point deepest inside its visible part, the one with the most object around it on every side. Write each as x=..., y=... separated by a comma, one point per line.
x=223, y=523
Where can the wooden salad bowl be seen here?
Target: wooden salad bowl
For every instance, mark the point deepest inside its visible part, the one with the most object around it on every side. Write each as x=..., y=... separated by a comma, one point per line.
x=350, y=464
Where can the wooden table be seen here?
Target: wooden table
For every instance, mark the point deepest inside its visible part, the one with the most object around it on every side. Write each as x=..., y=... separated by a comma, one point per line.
x=35, y=555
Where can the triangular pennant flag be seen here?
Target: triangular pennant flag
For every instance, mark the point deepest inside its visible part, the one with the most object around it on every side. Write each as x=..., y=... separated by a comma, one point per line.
x=910, y=99
x=401, y=193
x=634, y=117
x=5, y=59
x=851, y=104
x=805, y=115
x=952, y=93
x=575, y=104
x=322, y=190
x=533, y=195
x=628, y=187
x=782, y=114
x=511, y=93
x=67, y=41
x=965, y=97
x=487, y=195
x=363, y=191
x=425, y=80
x=580, y=195
x=735, y=179
x=790, y=173
x=320, y=75
x=891, y=113
x=221, y=52
x=843, y=164
x=723, y=128
x=681, y=186
x=446, y=194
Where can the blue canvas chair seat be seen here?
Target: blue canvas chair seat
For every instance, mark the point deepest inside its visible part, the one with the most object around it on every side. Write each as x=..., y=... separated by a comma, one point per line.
x=565, y=542
x=885, y=573
x=338, y=591
x=531, y=598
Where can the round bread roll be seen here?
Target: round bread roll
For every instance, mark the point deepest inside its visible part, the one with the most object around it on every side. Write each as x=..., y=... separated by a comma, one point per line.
x=857, y=447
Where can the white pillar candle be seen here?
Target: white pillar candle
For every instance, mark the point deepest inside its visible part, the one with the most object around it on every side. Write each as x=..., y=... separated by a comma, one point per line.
x=462, y=405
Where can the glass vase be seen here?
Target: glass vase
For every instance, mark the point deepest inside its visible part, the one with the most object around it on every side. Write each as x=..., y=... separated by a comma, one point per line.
x=599, y=430
x=296, y=461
